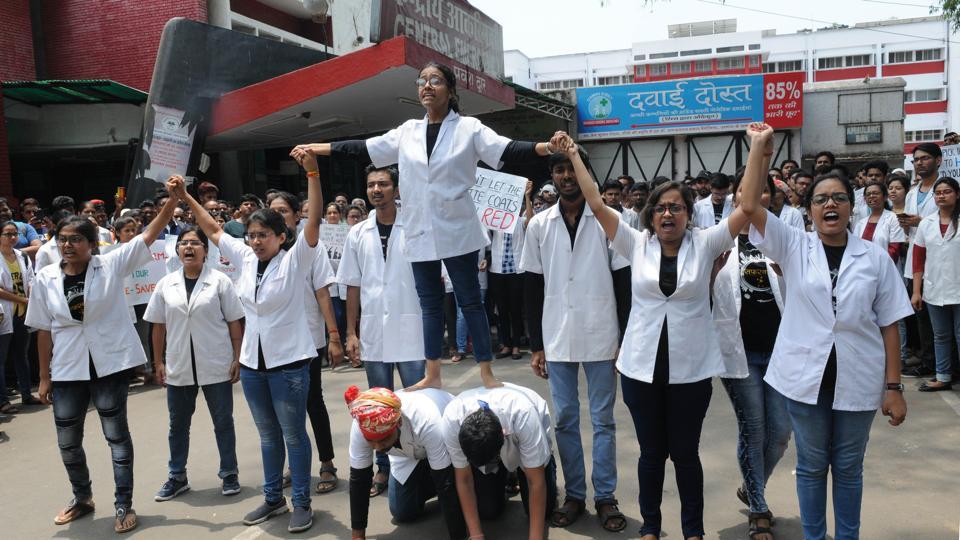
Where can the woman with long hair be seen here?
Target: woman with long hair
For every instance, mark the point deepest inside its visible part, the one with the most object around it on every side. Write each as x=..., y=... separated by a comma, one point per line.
x=437, y=157
x=16, y=278
x=880, y=226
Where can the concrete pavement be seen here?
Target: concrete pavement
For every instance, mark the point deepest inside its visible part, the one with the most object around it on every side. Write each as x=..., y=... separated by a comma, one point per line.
x=911, y=472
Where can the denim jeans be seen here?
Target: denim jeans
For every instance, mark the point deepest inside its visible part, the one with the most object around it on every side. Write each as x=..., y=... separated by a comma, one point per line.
x=835, y=441
x=340, y=313
x=407, y=500
x=601, y=395
x=764, y=427
x=5, y=340
x=946, y=333
x=109, y=396
x=181, y=403
x=380, y=374
x=462, y=270
x=462, y=331
x=278, y=403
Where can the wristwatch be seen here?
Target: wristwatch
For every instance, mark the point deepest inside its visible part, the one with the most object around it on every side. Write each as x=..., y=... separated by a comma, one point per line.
x=898, y=387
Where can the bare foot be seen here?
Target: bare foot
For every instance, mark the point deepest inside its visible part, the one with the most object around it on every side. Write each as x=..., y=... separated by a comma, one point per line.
x=426, y=382
x=486, y=375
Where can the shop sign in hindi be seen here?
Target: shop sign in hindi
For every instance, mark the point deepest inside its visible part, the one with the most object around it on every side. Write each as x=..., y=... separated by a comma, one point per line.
x=703, y=105
x=499, y=199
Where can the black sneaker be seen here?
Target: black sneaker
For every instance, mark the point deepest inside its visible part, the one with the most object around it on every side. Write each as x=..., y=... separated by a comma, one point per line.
x=231, y=485
x=266, y=511
x=171, y=488
x=300, y=520
x=916, y=372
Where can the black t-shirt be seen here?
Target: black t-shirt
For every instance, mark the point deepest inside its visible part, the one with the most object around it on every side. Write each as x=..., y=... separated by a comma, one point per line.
x=668, y=286
x=834, y=258
x=759, y=314
x=190, y=283
x=717, y=212
x=668, y=275
x=572, y=229
x=73, y=291
x=261, y=268
x=384, y=230
x=433, y=131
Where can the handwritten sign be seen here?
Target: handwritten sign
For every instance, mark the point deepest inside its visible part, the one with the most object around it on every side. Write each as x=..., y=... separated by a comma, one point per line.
x=333, y=238
x=139, y=286
x=951, y=161
x=499, y=198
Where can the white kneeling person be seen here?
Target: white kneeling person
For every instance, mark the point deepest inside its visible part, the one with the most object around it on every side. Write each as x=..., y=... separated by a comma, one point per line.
x=490, y=432
x=407, y=427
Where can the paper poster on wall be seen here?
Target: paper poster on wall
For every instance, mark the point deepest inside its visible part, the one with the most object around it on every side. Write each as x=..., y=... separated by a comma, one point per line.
x=170, y=148
x=499, y=199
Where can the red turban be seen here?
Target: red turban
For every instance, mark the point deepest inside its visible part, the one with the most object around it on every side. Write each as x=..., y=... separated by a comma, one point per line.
x=377, y=411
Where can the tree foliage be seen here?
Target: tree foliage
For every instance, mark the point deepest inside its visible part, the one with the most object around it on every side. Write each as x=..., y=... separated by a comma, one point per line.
x=950, y=9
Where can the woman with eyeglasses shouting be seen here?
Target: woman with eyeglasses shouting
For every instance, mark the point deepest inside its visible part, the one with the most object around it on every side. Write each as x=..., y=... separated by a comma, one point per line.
x=88, y=348
x=837, y=355
x=277, y=343
x=437, y=157
x=196, y=315
x=670, y=349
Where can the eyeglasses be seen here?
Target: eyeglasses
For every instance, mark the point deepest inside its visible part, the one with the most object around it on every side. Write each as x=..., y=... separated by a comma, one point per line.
x=73, y=239
x=433, y=81
x=190, y=243
x=839, y=198
x=257, y=236
x=673, y=208
x=10, y=235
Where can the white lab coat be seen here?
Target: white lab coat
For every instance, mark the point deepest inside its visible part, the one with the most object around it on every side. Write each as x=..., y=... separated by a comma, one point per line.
x=274, y=315
x=703, y=217
x=579, y=306
x=321, y=275
x=9, y=309
x=694, y=349
x=727, y=303
x=941, y=273
x=869, y=295
x=439, y=215
x=391, y=324
x=48, y=254
x=527, y=429
x=791, y=216
x=928, y=207
x=420, y=435
x=888, y=230
x=106, y=333
x=201, y=321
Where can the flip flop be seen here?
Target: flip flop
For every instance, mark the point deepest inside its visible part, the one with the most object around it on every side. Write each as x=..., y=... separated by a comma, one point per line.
x=125, y=521
x=377, y=488
x=9, y=408
x=75, y=510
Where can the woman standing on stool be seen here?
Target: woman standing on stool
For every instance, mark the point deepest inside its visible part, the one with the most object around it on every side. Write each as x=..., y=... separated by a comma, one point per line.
x=437, y=157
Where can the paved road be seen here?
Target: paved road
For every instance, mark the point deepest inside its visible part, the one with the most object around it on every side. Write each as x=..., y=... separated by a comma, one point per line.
x=911, y=475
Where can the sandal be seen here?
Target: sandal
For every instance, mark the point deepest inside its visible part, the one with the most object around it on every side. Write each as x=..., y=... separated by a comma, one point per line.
x=755, y=529
x=378, y=487
x=125, y=521
x=567, y=514
x=326, y=486
x=609, y=514
x=75, y=510
x=9, y=408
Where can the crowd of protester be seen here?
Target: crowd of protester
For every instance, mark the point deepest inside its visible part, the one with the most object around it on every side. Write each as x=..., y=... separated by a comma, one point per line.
x=809, y=293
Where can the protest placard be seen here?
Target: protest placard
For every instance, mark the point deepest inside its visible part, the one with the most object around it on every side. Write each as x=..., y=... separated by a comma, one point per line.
x=951, y=161
x=499, y=199
x=139, y=285
x=333, y=238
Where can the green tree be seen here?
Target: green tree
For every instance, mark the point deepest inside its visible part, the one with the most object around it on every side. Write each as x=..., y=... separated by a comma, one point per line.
x=950, y=9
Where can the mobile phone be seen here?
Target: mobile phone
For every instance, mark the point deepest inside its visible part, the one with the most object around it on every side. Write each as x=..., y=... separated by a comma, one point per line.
x=121, y=192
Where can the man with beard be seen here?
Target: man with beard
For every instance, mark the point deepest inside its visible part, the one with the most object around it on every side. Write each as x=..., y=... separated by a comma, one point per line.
x=709, y=211
x=823, y=162
x=787, y=167
x=568, y=262
x=701, y=185
x=638, y=198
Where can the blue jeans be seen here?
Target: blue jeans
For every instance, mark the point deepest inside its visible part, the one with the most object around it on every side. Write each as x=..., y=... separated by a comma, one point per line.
x=835, y=441
x=407, y=500
x=462, y=270
x=462, y=331
x=109, y=396
x=181, y=403
x=946, y=332
x=601, y=395
x=380, y=374
x=340, y=313
x=764, y=427
x=278, y=403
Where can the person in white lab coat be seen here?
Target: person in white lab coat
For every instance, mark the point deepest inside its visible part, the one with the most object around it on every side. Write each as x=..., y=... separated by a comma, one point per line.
x=708, y=211
x=837, y=356
x=879, y=225
x=669, y=351
x=437, y=158
x=936, y=256
x=920, y=203
x=16, y=279
x=407, y=426
x=320, y=319
x=277, y=342
x=196, y=335
x=747, y=306
x=88, y=348
x=380, y=285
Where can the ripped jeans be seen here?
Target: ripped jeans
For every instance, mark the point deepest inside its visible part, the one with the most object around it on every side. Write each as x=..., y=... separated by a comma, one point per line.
x=109, y=396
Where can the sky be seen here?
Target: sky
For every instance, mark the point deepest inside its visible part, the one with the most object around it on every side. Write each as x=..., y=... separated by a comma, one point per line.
x=548, y=27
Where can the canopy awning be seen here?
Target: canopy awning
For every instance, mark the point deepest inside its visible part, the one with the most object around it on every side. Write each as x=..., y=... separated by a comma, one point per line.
x=64, y=92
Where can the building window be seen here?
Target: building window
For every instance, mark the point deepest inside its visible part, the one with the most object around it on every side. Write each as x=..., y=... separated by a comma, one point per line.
x=857, y=60
x=927, y=55
x=695, y=52
x=560, y=85
x=923, y=135
x=831, y=62
x=754, y=61
x=703, y=66
x=638, y=57
x=754, y=46
x=724, y=64
x=790, y=65
x=680, y=67
x=656, y=70
x=673, y=54
x=732, y=48
x=769, y=67
x=914, y=96
x=614, y=79
x=903, y=57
